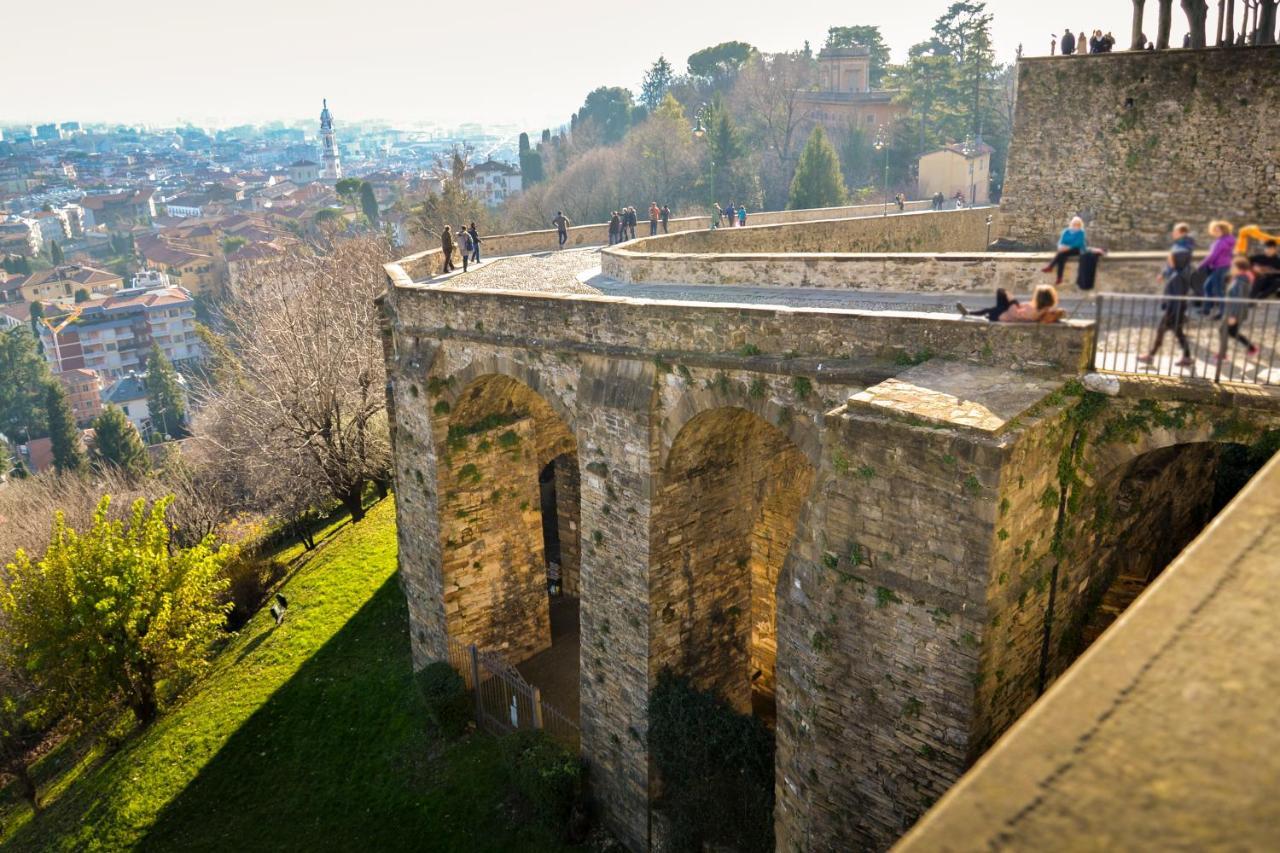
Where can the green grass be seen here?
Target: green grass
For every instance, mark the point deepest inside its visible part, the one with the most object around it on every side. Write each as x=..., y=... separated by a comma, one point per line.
x=311, y=736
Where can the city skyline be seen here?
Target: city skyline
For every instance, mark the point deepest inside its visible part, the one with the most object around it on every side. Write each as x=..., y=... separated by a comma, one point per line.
x=521, y=67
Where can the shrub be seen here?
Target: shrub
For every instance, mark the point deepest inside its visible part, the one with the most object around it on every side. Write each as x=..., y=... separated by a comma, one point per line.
x=716, y=768
x=445, y=694
x=249, y=580
x=546, y=777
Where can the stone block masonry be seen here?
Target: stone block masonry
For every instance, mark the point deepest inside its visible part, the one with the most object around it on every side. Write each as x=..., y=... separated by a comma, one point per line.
x=1134, y=141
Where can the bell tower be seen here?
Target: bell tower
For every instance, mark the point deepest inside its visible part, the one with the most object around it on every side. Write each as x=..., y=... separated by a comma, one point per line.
x=331, y=167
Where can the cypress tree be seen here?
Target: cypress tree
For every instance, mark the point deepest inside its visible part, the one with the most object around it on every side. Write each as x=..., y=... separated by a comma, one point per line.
x=118, y=445
x=369, y=203
x=818, y=182
x=55, y=253
x=164, y=394
x=68, y=456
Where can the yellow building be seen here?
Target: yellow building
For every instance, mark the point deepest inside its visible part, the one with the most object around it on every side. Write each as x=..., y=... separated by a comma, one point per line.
x=845, y=98
x=957, y=170
x=61, y=283
x=197, y=272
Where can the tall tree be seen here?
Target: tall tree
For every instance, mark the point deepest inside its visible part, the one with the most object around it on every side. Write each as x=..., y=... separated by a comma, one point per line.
x=165, y=399
x=1197, y=17
x=1165, y=22
x=348, y=189
x=868, y=37
x=769, y=94
x=609, y=109
x=1137, y=37
x=964, y=31
x=108, y=614
x=117, y=445
x=23, y=376
x=1267, y=20
x=55, y=253
x=530, y=162
x=818, y=182
x=68, y=454
x=657, y=82
x=718, y=64
x=369, y=203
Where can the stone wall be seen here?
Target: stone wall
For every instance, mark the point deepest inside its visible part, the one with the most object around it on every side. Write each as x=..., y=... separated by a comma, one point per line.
x=568, y=489
x=1134, y=141
x=1129, y=272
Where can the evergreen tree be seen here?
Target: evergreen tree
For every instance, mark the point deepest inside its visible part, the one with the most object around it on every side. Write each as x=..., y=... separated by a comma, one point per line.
x=23, y=375
x=68, y=455
x=818, y=182
x=546, y=135
x=117, y=444
x=55, y=253
x=164, y=394
x=530, y=161
x=725, y=146
x=369, y=203
x=657, y=82
x=82, y=295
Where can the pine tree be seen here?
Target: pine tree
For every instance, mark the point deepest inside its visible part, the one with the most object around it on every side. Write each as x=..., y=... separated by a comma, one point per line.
x=657, y=82
x=68, y=455
x=117, y=444
x=23, y=375
x=369, y=203
x=164, y=394
x=55, y=253
x=818, y=182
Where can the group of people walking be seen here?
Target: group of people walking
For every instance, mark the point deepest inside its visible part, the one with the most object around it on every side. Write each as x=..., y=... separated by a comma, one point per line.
x=466, y=241
x=623, y=222
x=1073, y=45
x=730, y=215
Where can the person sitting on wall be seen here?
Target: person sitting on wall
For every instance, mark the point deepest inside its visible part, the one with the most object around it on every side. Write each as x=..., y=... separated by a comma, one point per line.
x=1043, y=308
x=1071, y=244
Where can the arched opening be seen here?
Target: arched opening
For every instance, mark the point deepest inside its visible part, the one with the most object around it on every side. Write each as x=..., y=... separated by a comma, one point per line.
x=508, y=507
x=725, y=517
x=1143, y=515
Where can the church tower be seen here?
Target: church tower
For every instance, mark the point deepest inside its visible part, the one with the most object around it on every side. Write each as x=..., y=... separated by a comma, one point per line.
x=331, y=169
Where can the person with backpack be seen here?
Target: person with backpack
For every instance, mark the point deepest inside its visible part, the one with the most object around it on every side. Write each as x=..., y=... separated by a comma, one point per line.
x=464, y=245
x=475, y=243
x=1177, y=283
x=742, y=216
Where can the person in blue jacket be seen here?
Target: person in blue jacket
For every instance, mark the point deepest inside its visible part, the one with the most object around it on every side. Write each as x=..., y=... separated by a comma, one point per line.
x=1071, y=244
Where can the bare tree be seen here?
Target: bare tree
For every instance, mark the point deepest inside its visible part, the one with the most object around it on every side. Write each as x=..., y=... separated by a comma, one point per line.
x=1138, y=38
x=769, y=94
x=1197, y=17
x=1165, y=25
x=1267, y=21
x=309, y=411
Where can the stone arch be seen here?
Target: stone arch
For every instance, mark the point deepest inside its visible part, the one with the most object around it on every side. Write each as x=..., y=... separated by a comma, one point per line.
x=727, y=504
x=483, y=365
x=696, y=400
x=496, y=438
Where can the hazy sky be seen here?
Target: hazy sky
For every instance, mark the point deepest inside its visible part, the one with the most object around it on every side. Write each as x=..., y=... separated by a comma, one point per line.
x=529, y=62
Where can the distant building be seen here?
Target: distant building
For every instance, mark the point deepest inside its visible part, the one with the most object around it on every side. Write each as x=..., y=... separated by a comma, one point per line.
x=84, y=393
x=845, y=99
x=332, y=170
x=193, y=270
x=304, y=172
x=129, y=394
x=48, y=133
x=958, y=169
x=61, y=283
x=113, y=335
x=20, y=236
x=53, y=225
x=492, y=182
x=119, y=209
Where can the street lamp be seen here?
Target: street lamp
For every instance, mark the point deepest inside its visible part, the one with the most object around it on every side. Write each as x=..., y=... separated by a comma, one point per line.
x=700, y=132
x=882, y=144
x=970, y=150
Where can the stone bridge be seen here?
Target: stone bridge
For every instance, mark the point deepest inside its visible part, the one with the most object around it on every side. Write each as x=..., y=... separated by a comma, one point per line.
x=884, y=532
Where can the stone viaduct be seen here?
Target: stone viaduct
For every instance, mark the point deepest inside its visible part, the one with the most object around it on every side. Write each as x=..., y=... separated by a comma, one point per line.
x=885, y=532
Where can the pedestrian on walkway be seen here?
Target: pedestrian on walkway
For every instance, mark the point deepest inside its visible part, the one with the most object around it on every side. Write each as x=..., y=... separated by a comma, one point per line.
x=742, y=216
x=631, y=222
x=615, y=228
x=446, y=248
x=655, y=213
x=1082, y=44
x=666, y=218
x=1217, y=265
x=475, y=243
x=1176, y=278
x=1071, y=244
x=1068, y=42
x=562, y=223
x=1043, y=308
x=464, y=245
x=1266, y=272
x=1236, y=310
x=717, y=216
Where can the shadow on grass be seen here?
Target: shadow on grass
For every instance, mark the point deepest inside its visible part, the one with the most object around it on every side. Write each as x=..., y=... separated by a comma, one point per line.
x=340, y=758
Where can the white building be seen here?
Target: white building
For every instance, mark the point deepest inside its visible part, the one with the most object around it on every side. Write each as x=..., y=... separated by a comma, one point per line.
x=492, y=182
x=53, y=225
x=304, y=172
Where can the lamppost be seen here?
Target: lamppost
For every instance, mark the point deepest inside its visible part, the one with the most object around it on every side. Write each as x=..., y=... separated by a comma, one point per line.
x=970, y=150
x=882, y=144
x=700, y=132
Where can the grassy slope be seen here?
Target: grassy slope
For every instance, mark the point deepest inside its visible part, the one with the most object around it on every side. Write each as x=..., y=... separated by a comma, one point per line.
x=308, y=736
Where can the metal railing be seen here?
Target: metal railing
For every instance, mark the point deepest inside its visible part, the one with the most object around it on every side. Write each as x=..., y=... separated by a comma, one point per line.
x=504, y=701
x=1210, y=338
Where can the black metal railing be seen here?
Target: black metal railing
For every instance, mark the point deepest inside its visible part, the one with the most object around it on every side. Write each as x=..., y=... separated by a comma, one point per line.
x=1189, y=337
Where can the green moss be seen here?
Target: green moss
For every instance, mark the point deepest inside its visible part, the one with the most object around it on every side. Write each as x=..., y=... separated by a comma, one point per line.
x=903, y=359
x=840, y=462
x=830, y=560
x=885, y=597
x=1004, y=506
x=1002, y=534
x=802, y=386
x=758, y=389
x=600, y=469
x=972, y=485
x=509, y=440
x=441, y=407
x=912, y=708
x=821, y=642
x=661, y=366
x=469, y=472
x=748, y=350
x=684, y=373
x=867, y=473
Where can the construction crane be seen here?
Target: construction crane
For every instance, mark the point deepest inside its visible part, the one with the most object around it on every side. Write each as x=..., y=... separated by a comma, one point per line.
x=55, y=330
